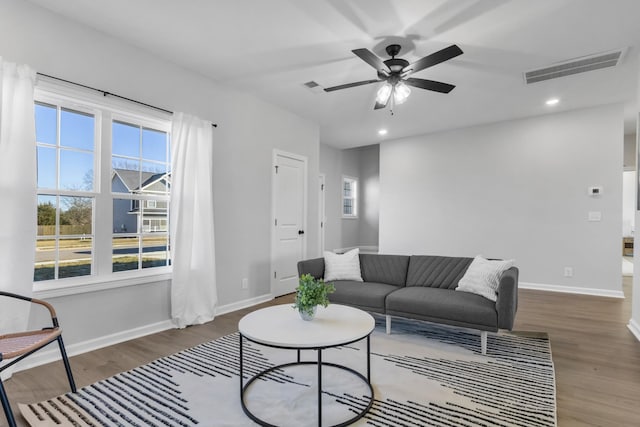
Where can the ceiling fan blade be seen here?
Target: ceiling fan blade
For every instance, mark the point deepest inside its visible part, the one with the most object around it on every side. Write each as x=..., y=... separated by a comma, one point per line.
x=372, y=59
x=348, y=85
x=435, y=58
x=429, y=85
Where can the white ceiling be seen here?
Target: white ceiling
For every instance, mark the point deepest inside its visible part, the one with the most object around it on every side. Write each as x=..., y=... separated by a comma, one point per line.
x=270, y=48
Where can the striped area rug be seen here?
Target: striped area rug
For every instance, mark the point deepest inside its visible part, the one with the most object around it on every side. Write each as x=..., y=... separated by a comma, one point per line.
x=423, y=375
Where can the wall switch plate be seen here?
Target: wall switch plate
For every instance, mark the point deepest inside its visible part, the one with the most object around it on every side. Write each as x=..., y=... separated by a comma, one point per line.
x=245, y=283
x=568, y=272
x=595, y=216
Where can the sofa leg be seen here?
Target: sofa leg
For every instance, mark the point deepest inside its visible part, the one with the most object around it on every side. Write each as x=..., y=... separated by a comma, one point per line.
x=388, y=319
x=483, y=341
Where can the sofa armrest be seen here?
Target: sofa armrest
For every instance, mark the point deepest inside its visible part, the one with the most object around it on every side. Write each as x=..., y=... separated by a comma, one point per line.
x=507, y=302
x=314, y=267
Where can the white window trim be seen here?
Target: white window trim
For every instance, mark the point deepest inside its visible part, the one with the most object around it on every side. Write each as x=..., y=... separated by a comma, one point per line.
x=84, y=284
x=355, y=198
x=105, y=109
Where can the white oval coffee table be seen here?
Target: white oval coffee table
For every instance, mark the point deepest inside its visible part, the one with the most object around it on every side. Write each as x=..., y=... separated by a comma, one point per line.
x=280, y=326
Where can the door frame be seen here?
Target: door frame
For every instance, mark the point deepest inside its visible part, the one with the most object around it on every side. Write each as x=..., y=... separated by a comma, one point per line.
x=322, y=211
x=274, y=160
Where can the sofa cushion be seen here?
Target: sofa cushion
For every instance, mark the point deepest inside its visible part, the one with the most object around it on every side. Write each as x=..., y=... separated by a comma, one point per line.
x=390, y=269
x=314, y=267
x=443, y=305
x=369, y=296
x=344, y=266
x=483, y=277
x=436, y=271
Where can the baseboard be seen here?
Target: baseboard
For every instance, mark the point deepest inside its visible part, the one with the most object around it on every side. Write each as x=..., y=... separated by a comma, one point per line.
x=572, y=290
x=634, y=327
x=228, y=308
x=52, y=353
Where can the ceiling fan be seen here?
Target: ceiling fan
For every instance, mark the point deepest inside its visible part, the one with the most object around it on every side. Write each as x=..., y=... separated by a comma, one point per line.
x=395, y=73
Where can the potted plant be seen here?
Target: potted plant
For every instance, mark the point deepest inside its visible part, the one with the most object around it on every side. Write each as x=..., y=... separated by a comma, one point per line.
x=310, y=293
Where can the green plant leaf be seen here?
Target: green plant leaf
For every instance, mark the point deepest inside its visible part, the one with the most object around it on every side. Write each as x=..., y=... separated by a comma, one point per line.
x=311, y=292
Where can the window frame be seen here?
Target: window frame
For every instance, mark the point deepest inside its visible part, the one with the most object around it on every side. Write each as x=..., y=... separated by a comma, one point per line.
x=354, y=198
x=105, y=111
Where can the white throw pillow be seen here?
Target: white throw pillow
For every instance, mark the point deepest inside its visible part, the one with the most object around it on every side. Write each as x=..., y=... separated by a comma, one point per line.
x=483, y=277
x=344, y=266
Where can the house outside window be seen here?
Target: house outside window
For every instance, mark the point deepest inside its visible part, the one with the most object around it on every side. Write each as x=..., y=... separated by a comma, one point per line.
x=77, y=234
x=140, y=182
x=349, y=197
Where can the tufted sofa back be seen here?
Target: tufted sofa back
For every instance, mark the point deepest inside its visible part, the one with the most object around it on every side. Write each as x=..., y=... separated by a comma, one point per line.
x=389, y=269
x=436, y=271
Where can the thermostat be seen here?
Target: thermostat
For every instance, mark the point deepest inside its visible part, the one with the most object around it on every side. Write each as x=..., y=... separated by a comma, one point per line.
x=595, y=191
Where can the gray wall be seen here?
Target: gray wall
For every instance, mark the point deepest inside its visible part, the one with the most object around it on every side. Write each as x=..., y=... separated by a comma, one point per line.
x=634, y=323
x=249, y=129
x=515, y=189
x=370, y=195
x=630, y=152
x=330, y=165
x=361, y=163
x=351, y=226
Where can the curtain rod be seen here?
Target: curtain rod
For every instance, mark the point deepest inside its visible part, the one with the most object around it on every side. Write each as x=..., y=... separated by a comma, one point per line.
x=105, y=93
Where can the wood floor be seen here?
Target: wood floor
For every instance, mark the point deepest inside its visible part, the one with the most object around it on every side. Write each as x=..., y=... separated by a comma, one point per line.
x=597, y=359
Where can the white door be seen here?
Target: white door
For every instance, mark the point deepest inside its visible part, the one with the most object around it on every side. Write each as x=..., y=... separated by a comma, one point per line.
x=321, y=215
x=289, y=183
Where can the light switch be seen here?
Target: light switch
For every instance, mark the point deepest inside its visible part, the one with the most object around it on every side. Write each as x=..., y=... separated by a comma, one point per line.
x=595, y=216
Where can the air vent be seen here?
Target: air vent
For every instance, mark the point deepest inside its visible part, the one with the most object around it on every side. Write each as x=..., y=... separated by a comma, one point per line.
x=575, y=66
x=313, y=87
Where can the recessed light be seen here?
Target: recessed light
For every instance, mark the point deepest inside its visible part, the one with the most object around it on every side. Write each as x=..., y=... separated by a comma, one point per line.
x=552, y=101
x=382, y=132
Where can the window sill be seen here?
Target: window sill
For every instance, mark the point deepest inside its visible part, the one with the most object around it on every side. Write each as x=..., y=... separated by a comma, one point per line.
x=81, y=285
x=349, y=216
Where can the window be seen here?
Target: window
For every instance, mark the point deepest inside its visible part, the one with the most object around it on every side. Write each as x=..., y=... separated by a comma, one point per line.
x=97, y=224
x=65, y=141
x=349, y=197
x=141, y=181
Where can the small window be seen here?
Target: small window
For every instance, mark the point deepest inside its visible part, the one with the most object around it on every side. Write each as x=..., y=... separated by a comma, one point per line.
x=349, y=197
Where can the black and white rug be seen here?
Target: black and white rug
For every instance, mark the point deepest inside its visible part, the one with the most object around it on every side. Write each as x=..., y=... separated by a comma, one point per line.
x=422, y=374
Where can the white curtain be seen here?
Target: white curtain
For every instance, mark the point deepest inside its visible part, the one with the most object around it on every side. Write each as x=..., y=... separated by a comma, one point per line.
x=17, y=192
x=193, y=288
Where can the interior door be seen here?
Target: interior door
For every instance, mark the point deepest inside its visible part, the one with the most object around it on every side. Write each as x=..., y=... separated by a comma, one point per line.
x=289, y=221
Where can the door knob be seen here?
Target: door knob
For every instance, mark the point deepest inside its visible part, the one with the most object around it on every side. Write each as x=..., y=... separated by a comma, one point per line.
x=300, y=231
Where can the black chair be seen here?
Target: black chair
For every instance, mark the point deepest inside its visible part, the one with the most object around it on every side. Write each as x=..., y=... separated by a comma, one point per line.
x=19, y=345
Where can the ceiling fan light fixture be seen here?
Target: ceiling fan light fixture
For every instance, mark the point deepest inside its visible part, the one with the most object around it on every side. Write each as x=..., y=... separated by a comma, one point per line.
x=401, y=93
x=384, y=93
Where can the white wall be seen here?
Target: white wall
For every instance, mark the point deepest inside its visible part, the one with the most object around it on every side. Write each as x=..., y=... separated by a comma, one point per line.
x=249, y=129
x=515, y=189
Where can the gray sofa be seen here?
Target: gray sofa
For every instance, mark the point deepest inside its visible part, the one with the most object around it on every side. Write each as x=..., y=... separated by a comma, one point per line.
x=423, y=287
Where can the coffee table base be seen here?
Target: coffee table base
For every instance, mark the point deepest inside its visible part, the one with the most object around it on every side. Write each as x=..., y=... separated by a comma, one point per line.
x=320, y=364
